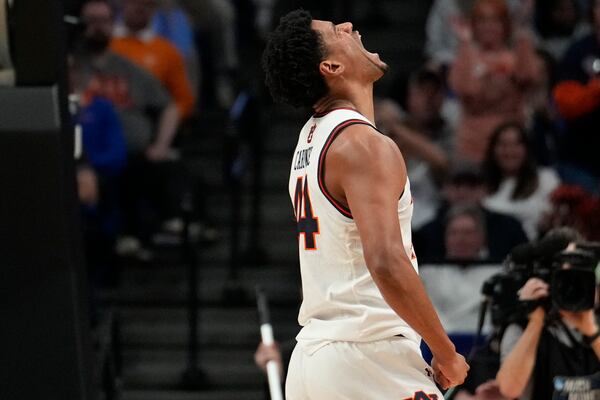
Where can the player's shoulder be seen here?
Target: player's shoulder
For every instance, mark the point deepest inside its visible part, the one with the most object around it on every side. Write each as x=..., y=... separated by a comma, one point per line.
x=363, y=139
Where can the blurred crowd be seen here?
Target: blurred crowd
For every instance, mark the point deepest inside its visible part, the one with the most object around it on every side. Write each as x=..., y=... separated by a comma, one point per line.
x=503, y=117
x=141, y=74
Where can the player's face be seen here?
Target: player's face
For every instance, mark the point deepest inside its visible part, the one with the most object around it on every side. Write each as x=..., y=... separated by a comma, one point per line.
x=344, y=46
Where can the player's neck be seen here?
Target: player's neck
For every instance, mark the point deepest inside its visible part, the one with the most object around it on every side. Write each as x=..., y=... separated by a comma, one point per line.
x=359, y=98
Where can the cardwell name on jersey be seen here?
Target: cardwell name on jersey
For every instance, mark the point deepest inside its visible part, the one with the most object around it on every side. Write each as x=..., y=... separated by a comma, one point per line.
x=302, y=158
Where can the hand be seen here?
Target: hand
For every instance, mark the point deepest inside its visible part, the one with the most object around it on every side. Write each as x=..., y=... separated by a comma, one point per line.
x=461, y=28
x=464, y=395
x=265, y=353
x=583, y=321
x=157, y=152
x=87, y=186
x=387, y=115
x=451, y=372
x=489, y=390
x=534, y=289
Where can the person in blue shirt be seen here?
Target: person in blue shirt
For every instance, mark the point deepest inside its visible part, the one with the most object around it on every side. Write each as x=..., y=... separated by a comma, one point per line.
x=102, y=134
x=105, y=152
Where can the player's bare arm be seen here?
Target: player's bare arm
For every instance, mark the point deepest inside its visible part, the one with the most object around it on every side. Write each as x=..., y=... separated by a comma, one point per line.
x=366, y=172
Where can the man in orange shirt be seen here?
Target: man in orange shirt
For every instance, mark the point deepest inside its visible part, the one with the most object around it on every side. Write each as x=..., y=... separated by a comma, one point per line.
x=134, y=39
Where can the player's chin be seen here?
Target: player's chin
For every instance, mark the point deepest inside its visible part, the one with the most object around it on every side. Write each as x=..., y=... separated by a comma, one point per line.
x=381, y=66
x=380, y=69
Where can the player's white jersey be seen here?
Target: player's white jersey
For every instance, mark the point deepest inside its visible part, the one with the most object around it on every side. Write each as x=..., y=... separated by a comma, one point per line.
x=340, y=299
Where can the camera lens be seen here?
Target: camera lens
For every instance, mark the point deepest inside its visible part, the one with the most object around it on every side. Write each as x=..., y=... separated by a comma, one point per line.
x=573, y=289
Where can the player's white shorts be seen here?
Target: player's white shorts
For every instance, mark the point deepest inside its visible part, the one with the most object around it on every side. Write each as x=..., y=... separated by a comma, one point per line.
x=380, y=370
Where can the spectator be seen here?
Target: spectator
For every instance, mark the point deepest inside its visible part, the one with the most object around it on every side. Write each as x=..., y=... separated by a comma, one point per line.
x=135, y=40
x=172, y=23
x=424, y=110
x=558, y=24
x=264, y=16
x=138, y=96
x=98, y=181
x=578, y=100
x=104, y=148
x=573, y=207
x=442, y=42
x=543, y=119
x=103, y=144
x=424, y=138
x=490, y=77
x=151, y=185
x=465, y=234
x=517, y=186
x=466, y=186
x=215, y=21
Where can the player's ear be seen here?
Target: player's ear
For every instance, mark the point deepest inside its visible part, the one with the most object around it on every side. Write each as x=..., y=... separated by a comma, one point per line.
x=331, y=68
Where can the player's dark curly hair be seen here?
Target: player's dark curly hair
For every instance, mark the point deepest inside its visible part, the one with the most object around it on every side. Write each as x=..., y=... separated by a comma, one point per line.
x=291, y=61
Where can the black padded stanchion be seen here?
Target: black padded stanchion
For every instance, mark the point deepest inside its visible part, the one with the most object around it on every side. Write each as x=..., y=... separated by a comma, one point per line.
x=45, y=339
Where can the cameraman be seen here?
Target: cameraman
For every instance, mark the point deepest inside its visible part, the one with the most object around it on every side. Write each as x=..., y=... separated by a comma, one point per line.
x=568, y=345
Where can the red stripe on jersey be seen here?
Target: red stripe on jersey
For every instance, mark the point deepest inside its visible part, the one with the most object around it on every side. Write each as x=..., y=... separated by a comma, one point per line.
x=345, y=211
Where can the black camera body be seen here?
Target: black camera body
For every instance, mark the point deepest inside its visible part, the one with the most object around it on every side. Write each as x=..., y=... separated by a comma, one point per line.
x=570, y=274
x=573, y=288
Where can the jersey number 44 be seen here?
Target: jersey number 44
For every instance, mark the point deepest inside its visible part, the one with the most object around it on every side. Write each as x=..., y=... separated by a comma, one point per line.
x=307, y=222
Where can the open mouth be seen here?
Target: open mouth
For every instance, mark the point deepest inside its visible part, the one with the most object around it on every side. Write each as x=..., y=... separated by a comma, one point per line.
x=359, y=40
x=373, y=57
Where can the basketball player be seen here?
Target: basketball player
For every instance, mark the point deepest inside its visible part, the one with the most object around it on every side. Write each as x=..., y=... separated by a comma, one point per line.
x=364, y=308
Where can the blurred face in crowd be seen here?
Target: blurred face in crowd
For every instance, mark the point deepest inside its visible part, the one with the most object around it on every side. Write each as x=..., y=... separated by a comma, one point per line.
x=424, y=102
x=596, y=17
x=345, y=54
x=510, y=151
x=465, y=238
x=490, y=27
x=564, y=15
x=97, y=17
x=464, y=193
x=387, y=114
x=137, y=14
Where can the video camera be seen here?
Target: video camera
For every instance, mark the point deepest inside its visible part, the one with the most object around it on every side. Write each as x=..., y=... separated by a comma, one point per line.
x=570, y=274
